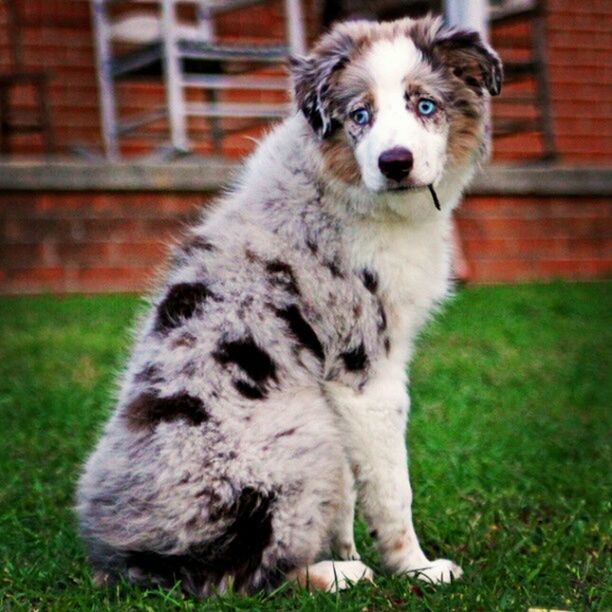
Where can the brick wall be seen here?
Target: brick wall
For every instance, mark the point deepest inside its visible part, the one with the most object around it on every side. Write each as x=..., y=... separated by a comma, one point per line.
x=96, y=241
x=87, y=241
x=525, y=238
x=57, y=37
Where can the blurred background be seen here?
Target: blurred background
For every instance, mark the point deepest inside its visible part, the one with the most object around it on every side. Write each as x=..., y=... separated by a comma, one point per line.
x=118, y=118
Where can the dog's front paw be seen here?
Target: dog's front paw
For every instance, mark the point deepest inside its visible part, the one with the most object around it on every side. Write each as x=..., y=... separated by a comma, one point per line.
x=438, y=571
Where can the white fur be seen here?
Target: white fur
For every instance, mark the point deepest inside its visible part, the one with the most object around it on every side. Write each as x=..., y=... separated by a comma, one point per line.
x=391, y=62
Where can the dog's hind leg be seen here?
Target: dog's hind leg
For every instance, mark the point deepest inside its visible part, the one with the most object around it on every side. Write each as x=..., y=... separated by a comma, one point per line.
x=331, y=575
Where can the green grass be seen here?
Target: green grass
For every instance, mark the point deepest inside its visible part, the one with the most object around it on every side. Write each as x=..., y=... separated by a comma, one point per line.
x=510, y=455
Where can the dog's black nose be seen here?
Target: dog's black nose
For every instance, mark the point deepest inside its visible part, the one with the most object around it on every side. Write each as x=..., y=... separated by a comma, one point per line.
x=396, y=163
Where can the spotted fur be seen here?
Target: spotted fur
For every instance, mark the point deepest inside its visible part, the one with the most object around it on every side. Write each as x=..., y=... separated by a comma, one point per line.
x=266, y=388
x=147, y=410
x=181, y=302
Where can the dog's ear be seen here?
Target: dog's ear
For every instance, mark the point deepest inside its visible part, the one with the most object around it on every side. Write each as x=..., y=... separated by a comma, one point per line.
x=314, y=76
x=462, y=51
x=471, y=59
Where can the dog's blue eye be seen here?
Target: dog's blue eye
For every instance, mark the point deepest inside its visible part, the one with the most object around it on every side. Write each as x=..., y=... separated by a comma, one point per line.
x=361, y=116
x=426, y=107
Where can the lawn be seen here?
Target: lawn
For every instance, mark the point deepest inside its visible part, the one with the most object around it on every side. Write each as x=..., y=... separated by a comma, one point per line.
x=510, y=456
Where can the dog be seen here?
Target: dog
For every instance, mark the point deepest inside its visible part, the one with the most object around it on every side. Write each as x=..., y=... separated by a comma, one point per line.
x=267, y=387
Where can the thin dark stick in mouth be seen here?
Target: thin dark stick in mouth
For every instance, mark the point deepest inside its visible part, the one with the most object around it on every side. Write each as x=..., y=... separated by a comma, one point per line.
x=434, y=196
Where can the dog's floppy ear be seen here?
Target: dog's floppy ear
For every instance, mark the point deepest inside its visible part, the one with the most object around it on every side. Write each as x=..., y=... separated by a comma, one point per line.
x=313, y=78
x=462, y=51
x=471, y=59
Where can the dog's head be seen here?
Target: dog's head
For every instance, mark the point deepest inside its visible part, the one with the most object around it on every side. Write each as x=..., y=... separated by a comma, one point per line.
x=395, y=103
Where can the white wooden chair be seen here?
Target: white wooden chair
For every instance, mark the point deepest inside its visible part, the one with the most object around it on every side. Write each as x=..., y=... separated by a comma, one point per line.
x=185, y=55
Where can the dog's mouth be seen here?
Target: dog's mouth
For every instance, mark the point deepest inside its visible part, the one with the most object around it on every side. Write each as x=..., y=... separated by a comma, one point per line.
x=430, y=187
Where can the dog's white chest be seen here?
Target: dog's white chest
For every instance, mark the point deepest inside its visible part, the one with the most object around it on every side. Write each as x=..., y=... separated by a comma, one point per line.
x=412, y=267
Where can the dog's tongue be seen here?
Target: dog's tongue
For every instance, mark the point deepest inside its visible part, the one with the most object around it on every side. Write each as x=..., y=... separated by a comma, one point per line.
x=434, y=196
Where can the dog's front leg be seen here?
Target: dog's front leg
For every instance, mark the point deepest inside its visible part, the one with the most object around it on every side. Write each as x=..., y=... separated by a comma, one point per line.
x=373, y=423
x=342, y=534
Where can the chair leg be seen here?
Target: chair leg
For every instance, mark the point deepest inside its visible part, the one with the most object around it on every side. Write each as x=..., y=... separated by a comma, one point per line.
x=172, y=71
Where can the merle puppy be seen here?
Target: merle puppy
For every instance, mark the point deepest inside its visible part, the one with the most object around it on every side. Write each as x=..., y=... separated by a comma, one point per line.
x=266, y=389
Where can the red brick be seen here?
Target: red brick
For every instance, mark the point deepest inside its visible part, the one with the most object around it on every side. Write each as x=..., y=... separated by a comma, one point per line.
x=80, y=253
x=16, y=204
x=531, y=207
x=108, y=279
x=151, y=253
x=37, y=280
x=166, y=229
x=534, y=228
x=575, y=269
x=20, y=256
x=507, y=270
x=28, y=230
x=117, y=229
x=534, y=248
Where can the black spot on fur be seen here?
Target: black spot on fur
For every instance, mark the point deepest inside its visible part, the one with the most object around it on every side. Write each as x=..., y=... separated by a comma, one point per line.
x=302, y=330
x=313, y=247
x=463, y=38
x=281, y=274
x=387, y=345
x=333, y=266
x=189, y=369
x=473, y=83
x=198, y=243
x=248, y=356
x=355, y=359
x=251, y=359
x=382, y=317
x=148, y=409
x=373, y=534
x=190, y=246
x=237, y=552
x=249, y=391
x=370, y=280
x=150, y=374
x=287, y=432
x=181, y=302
